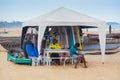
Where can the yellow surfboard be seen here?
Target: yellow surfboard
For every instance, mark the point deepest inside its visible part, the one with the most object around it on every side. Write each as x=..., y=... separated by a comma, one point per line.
x=77, y=35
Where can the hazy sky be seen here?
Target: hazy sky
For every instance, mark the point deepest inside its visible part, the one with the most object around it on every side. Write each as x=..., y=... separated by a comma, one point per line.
x=21, y=10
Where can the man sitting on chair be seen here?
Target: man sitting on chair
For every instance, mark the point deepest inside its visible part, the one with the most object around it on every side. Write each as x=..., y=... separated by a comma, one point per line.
x=78, y=56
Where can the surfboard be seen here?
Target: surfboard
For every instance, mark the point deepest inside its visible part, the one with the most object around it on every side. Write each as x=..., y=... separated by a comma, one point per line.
x=66, y=37
x=70, y=36
x=31, y=51
x=63, y=37
x=77, y=35
x=63, y=40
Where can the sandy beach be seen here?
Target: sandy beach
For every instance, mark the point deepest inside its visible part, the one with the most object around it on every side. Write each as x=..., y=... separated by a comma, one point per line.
x=95, y=71
x=12, y=32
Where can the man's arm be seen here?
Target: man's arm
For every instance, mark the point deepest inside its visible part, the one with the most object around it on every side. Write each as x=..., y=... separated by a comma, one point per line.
x=77, y=52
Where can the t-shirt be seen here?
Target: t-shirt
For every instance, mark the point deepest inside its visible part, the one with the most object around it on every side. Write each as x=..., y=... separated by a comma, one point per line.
x=54, y=46
x=72, y=51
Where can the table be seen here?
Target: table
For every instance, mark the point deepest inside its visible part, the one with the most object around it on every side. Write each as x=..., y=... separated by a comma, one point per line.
x=47, y=52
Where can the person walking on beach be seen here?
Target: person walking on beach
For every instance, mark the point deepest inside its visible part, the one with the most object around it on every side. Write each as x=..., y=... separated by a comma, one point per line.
x=78, y=56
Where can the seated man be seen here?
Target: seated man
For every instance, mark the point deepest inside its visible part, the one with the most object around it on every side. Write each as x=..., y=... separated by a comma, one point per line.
x=75, y=54
x=55, y=45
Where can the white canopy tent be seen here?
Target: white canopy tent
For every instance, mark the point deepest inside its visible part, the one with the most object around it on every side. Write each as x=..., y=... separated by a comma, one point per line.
x=67, y=17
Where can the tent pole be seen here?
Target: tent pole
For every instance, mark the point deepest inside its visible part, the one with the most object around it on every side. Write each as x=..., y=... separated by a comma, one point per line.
x=102, y=38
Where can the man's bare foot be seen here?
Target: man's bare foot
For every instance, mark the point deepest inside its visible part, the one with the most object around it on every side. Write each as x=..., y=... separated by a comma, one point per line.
x=85, y=66
x=75, y=66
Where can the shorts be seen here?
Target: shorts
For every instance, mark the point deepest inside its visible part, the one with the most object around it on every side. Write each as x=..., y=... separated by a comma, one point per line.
x=83, y=52
x=76, y=56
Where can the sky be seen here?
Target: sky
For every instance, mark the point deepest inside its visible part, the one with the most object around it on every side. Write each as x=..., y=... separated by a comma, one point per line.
x=22, y=10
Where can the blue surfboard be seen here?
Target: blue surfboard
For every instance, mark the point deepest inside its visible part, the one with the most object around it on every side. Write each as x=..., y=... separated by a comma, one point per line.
x=31, y=51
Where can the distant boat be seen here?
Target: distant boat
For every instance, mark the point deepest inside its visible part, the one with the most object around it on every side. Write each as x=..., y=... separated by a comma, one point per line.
x=4, y=32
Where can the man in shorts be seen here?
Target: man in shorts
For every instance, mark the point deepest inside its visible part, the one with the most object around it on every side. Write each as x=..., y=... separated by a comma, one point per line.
x=78, y=56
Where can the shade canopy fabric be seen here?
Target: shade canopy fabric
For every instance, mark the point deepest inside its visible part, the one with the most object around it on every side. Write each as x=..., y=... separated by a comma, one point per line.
x=67, y=17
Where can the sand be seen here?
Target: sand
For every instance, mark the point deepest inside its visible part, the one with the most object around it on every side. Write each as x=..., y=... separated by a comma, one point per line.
x=14, y=32
x=95, y=71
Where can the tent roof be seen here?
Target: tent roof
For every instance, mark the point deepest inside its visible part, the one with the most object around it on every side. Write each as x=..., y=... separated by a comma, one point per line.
x=63, y=16
x=67, y=17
